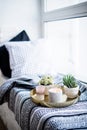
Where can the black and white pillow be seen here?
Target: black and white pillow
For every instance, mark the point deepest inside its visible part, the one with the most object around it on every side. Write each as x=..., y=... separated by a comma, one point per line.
x=4, y=56
x=17, y=54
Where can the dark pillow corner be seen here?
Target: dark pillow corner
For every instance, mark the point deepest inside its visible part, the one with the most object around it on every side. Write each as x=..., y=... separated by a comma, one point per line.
x=22, y=36
x=4, y=62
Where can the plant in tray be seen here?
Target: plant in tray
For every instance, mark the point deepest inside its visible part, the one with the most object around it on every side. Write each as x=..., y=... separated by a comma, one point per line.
x=71, y=87
x=47, y=81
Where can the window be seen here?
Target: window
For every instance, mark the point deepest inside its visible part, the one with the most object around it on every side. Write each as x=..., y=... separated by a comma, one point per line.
x=67, y=27
x=57, y=4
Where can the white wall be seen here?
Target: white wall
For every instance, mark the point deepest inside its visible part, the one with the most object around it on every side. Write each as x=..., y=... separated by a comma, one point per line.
x=16, y=15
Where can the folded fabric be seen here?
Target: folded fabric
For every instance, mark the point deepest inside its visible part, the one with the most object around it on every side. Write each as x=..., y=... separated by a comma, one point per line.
x=27, y=83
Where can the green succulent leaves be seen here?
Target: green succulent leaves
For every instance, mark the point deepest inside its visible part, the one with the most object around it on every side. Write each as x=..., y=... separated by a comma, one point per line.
x=69, y=81
x=46, y=80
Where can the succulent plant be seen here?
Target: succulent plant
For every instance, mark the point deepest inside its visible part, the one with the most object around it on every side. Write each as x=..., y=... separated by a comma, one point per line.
x=46, y=80
x=69, y=81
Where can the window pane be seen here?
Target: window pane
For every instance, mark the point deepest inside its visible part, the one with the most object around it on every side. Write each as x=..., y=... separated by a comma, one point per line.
x=71, y=39
x=56, y=4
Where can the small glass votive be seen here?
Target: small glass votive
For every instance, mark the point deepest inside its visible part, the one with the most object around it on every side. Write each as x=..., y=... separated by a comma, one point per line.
x=40, y=91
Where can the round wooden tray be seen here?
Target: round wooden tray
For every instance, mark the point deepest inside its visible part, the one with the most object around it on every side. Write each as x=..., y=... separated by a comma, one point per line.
x=46, y=102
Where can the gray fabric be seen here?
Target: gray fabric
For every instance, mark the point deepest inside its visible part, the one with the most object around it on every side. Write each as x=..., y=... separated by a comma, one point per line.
x=33, y=117
x=20, y=82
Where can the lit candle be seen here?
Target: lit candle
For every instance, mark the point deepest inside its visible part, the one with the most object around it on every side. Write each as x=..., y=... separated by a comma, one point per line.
x=55, y=95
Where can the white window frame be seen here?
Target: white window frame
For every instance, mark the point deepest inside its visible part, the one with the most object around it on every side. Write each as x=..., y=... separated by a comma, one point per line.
x=69, y=12
x=74, y=11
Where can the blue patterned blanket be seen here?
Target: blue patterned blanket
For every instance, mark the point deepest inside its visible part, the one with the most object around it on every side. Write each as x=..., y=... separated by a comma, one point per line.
x=33, y=117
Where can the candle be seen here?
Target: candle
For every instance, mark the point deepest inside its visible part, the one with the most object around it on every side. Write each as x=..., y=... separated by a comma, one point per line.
x=40, y=90
x=55, y=95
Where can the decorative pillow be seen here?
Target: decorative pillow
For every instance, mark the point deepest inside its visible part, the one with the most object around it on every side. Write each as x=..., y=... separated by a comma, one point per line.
x=28, y=59
x=4, y=56
x=22, y=36
x=4, y=62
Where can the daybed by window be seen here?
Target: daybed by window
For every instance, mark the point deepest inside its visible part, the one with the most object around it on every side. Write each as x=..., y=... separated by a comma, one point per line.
x=27, y=70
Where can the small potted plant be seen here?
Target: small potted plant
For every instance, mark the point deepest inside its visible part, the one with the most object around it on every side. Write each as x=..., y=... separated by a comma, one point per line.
x=47, y=81
x=71, y=87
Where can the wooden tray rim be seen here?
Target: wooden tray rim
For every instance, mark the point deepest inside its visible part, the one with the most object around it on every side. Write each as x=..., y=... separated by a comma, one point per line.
x=49, y=104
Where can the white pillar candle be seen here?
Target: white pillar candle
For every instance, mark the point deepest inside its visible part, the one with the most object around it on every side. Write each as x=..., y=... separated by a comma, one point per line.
x=55, y=95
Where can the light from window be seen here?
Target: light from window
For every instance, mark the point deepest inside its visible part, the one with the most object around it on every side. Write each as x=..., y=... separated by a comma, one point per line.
x=70, y=45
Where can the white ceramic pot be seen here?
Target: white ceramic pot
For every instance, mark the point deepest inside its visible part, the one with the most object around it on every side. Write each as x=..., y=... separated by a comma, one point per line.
x=71, y=92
